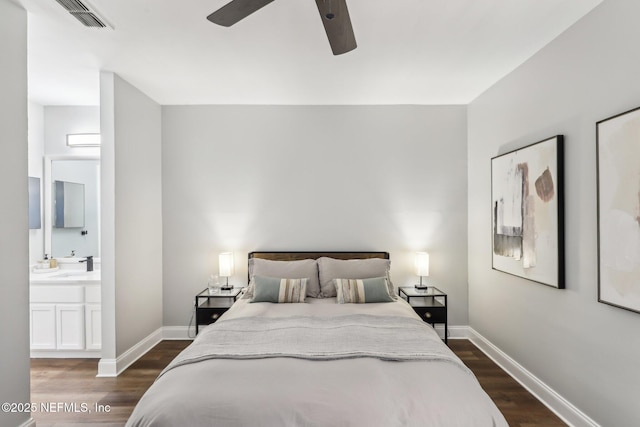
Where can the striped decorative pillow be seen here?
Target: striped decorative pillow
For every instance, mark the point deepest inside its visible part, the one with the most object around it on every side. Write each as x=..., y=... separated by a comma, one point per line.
x=272, y=289
x=362, y=290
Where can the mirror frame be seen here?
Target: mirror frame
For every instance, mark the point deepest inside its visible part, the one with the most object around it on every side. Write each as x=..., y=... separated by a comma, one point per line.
x=47, y=194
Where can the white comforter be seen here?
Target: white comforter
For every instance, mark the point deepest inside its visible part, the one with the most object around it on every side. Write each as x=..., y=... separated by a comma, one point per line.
x=284, y=391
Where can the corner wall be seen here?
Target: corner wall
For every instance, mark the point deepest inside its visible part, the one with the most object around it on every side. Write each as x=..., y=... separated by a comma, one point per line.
x=131, y=218
x=14, y=227
x=244, y=178
x=586, y=351
x=138, y=204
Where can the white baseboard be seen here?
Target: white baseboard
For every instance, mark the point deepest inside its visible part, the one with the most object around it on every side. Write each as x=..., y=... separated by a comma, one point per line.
x=178, y=333
x=455, y=332
x=114, y=367
x=65, y=354
x=107, y=368
x=545, y=394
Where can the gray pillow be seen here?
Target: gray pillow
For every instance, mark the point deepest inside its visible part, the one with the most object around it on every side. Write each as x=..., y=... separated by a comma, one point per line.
x=272, y=289
x=330, y=269
x=302, y=269
x=361, y=291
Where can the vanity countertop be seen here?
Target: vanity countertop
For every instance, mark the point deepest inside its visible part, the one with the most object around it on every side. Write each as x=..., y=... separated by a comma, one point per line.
x=67, y=276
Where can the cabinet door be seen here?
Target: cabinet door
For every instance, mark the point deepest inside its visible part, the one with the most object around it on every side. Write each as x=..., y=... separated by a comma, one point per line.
x=93, y=326
x=43, y=326
x=70, y=326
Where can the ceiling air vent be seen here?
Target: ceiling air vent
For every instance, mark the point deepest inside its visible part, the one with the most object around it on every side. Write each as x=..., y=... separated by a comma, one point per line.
x=83, y=13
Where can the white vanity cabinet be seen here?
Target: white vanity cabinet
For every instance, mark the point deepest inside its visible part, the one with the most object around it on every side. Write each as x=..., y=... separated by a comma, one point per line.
x=43, y=326
x=69, y=327
x=65, y=320
x=93, y=318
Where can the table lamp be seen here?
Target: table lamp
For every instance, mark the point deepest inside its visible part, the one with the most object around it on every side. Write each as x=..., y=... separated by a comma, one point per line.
x=422, y=268
x=226, y=268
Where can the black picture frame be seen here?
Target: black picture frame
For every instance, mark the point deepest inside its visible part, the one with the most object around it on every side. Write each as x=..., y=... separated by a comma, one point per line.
x=618, y=210
x=527, y=212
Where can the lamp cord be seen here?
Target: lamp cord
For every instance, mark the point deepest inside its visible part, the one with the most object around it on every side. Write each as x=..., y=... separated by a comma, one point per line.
x=193, y=314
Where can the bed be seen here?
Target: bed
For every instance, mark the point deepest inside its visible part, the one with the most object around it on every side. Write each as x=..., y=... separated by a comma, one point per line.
x=343, y=357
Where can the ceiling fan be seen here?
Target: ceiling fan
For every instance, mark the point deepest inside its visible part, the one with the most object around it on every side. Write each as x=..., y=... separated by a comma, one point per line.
x=334, y=15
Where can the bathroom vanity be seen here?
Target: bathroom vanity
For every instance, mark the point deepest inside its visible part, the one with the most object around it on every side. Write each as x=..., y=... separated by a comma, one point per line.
x=65, y=314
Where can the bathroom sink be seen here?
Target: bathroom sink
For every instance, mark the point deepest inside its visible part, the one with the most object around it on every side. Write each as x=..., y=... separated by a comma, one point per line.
x=72, y=273
x=69, y=260
x=44, y=270
x=67, y=276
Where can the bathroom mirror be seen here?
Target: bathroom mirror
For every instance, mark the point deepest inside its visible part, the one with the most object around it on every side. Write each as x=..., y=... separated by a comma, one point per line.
x=72, y=206
x=68, y=200
x=34, y=203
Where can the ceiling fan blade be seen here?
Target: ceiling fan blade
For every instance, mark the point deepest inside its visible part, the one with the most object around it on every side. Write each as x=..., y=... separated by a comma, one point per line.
x=236, y=10
x=337, y=24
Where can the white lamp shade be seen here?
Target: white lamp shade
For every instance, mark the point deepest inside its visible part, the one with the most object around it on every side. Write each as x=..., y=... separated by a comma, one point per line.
x=422, y=264
x=226, y=264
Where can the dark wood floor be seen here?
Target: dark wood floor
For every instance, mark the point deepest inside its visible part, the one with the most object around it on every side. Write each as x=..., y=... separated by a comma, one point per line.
x=70, y=386
x=74, y=380
x=517, y=405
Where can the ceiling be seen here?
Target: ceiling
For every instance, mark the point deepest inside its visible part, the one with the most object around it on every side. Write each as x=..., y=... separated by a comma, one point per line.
x=409, y=51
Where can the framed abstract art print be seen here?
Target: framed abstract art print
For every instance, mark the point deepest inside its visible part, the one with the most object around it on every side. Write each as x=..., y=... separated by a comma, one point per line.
x=527, y=212
x=618, y=163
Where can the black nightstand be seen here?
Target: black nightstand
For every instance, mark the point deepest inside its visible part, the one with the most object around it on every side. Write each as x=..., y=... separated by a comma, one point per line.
x=430, y=304
x=210, y=305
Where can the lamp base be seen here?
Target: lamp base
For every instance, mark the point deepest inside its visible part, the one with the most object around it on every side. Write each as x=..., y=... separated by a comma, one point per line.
x=226, y=287
x=421, y=286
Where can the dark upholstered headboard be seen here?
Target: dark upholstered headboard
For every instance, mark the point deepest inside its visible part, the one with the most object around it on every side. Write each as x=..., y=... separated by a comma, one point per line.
x=293, y=256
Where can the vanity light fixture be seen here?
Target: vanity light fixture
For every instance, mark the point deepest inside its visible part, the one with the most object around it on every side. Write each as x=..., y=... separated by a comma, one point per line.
x=422, y=267
x=83, y=140
x=225, y=261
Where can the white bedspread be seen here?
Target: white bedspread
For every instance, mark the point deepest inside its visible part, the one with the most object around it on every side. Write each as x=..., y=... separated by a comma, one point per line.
x=285, y=391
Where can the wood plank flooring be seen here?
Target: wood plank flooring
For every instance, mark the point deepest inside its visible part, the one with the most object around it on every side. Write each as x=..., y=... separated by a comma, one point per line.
x=518, y=406
x=69, y=386
x=74, y=380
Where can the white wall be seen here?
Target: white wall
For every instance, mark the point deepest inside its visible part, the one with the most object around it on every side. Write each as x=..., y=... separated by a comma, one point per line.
x=131, y=214
x=14, y=244
x=138, y=215
x=59, y=121
x=243, y=178
x=108, y=221
x=586, y=351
